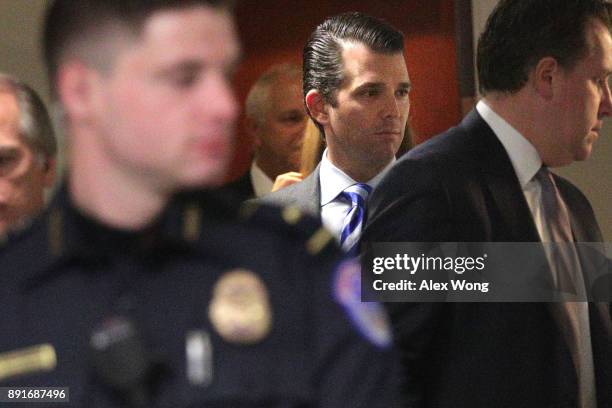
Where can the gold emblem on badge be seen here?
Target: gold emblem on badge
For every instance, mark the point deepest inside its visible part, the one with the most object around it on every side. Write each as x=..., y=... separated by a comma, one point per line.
x=240, y=309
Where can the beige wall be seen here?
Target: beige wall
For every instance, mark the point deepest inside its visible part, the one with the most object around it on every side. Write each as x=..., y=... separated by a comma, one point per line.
x=20, y=23
x=20, y=55
x=593, y=177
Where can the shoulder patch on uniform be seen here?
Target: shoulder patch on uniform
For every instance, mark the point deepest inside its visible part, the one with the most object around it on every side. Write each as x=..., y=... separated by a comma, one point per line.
x=369, y=318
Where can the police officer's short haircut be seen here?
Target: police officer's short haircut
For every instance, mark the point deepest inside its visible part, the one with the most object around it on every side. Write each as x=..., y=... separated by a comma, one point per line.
x=519, y=33
x=79, y=27
x=35, y=125
x=322, y=63
x=256, y=105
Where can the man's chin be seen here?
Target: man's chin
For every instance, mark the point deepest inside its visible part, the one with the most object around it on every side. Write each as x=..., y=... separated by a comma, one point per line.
x=205, y=180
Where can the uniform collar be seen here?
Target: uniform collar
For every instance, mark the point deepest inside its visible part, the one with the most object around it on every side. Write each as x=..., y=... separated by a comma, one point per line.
x=64, y=235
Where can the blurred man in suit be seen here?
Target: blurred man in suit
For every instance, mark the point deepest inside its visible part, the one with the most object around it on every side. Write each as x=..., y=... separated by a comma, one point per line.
x=543, y=68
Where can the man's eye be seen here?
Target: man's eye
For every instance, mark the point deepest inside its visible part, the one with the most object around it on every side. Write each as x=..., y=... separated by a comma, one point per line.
x=7, y=163
x=6, y=159
x=184, y=80
x=293, y=119
x=402, y=93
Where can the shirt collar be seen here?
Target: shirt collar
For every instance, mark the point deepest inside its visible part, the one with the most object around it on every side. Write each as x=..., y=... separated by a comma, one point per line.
x=262, y=184
x=336, y=181
x=524, y=157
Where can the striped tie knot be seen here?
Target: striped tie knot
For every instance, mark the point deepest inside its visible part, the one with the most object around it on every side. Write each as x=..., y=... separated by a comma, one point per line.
x=357, y=195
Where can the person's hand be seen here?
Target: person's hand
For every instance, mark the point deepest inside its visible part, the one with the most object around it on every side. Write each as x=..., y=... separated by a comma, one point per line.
x=286, y=179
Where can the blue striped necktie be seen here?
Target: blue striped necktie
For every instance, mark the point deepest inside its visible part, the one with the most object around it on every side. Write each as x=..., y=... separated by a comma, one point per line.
x=357, y=196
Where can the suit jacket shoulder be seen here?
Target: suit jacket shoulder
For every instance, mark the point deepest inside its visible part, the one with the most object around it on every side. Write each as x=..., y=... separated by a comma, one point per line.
x=305, y=195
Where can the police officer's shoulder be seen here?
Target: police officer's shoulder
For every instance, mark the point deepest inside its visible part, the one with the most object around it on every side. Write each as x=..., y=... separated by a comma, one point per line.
x=290, y=223
x=219, y=207
x=26, y=250
x=201, y=210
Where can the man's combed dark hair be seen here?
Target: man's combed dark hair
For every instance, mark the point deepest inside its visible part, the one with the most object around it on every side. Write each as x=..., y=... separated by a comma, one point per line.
x=322, y=63
x=69, y=21
x=519, y=33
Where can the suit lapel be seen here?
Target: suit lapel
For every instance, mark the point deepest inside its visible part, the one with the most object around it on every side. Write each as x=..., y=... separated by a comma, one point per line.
x=501, y=181
x=312, y=192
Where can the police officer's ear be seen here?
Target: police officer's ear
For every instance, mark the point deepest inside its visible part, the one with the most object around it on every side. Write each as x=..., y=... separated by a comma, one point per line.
x=77, y=88
x=317, y=106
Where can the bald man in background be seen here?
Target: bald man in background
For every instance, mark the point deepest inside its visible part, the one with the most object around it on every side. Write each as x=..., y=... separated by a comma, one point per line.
x=275, y=119
x=27, y=153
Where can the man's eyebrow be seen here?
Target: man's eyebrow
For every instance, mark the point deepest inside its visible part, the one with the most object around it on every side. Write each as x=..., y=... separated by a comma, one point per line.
x=8, y=150
x=405, y=85
x=377, y=85
x=370, y=85
x=183, y=66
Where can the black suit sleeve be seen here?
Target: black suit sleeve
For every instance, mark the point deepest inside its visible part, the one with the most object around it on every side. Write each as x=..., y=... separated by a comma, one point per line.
x=411, y=205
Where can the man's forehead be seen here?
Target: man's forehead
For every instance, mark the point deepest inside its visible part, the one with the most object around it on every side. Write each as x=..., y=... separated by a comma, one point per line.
x=284, y=89
x=599, y=43
x=165, y=25
x=165, y=28
x=9, y=109
x=360, y=61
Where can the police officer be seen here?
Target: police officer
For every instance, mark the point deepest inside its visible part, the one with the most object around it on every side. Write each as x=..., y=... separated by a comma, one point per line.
x=136, y=287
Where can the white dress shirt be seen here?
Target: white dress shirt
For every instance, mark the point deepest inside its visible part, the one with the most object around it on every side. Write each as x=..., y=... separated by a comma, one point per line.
x=262, y=184
x=525, y=160
x=333, y=181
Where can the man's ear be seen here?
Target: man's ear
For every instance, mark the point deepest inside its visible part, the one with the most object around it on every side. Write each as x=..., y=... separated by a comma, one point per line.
x=543, y=77
x=317, y=106
x=76, y=88
x=252, y=126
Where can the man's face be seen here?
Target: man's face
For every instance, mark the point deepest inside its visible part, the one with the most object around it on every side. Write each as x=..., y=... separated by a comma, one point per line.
x=279, y=134
x=165, y=112
x=367, y=124
x=584, y=100
x=23, y=178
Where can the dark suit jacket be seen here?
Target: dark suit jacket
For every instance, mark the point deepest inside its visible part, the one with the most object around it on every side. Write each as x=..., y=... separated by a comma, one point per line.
x=461, y=187
x=241, y=188
x=305, y=195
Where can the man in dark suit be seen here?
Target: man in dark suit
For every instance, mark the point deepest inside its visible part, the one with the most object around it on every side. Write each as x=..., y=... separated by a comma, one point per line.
x=543, y=70
x=356, y=89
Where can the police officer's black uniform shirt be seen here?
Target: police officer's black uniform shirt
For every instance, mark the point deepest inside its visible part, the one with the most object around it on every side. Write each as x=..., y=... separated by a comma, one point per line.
x=208, y=307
